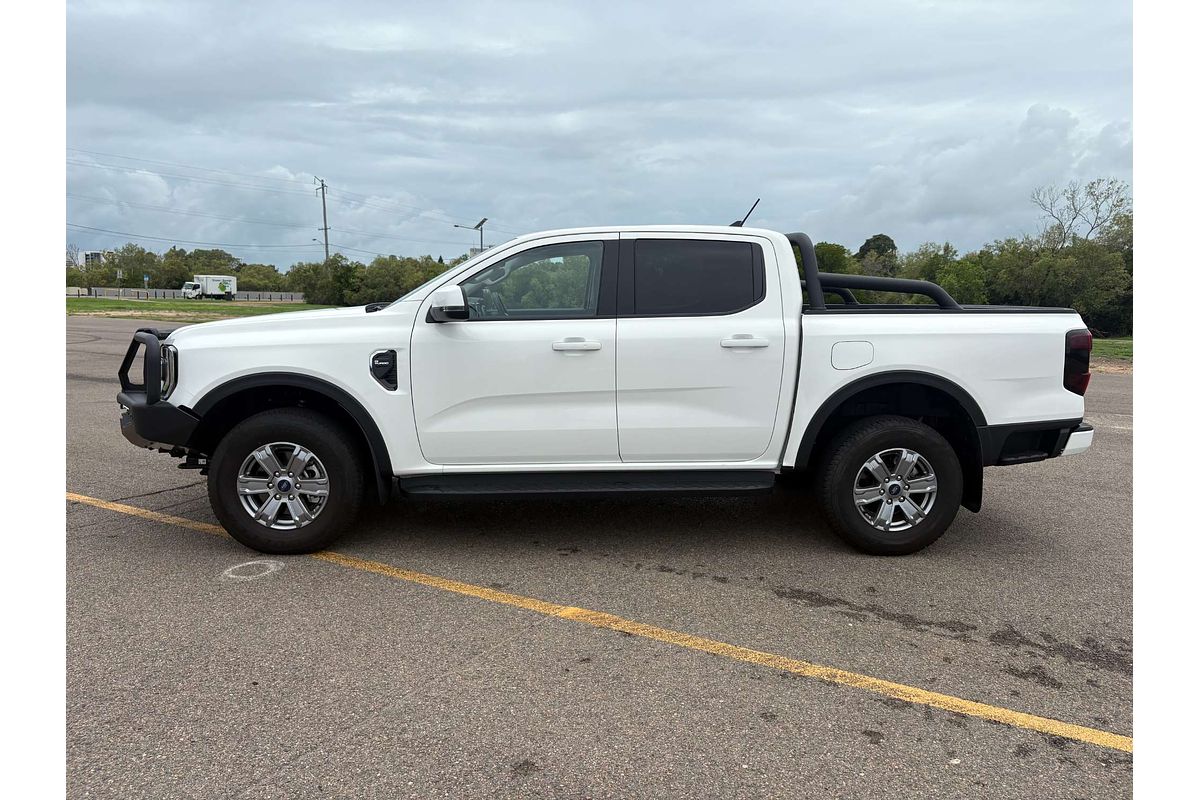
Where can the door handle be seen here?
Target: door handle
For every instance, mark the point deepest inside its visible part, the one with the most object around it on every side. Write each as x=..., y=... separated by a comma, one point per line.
x=744, y=340
x=576, y=343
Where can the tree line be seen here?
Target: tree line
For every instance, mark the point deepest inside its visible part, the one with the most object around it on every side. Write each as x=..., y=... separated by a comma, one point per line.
x=338, y=281
x=1081, y=258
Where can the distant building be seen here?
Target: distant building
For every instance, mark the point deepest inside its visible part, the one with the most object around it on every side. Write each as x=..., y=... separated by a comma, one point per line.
x=474, y=251
x=93, y=258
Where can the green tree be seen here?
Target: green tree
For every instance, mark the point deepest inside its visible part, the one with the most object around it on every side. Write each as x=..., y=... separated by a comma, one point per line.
x=883, y=266
x=1118, y=237
x=926, y=262
x=133, y=261
x=212, y=262
x=173, y=270
x=259, y=278
x=383, y=280
x=834, y=258
x=1080, y=212
x=880, y=244
x=554, y=283
x=333, y=282
x=344, y=277
x=388, y=277
x=965, y=280
x=304, y=277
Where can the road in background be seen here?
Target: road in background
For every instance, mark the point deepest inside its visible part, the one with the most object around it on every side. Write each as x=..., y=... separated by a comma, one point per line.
x=187, y=678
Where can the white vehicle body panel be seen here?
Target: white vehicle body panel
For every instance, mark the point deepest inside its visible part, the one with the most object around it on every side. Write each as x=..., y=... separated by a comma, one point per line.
x=515, y=391
x=659, y=393
x=1011, y=364
x=501, y=393
x=333, y=345
x=688, y=389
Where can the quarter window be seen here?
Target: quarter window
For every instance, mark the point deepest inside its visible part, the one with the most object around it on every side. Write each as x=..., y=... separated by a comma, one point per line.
x=552, y=282
x=693, y=277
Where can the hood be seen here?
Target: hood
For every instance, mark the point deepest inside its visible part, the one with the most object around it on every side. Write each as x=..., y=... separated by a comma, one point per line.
x=310, y=324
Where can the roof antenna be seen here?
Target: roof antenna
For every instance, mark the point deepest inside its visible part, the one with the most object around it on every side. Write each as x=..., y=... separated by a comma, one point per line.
x=742, y=221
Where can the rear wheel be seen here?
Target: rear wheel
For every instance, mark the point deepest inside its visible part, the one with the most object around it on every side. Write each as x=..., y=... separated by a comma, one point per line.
x=890, y=485
x=285, y=481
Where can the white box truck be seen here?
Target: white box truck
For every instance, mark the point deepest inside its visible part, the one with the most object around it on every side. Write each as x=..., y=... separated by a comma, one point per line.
x=219, y=287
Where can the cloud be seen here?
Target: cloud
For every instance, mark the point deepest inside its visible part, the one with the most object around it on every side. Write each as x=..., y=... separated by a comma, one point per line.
x=928, y=121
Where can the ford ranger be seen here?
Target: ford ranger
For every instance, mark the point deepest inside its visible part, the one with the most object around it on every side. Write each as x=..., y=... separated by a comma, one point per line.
x=695, y=359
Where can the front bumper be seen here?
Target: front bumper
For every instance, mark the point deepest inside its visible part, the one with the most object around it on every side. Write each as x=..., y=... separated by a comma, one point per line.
x=158, y=426
x=147, y=420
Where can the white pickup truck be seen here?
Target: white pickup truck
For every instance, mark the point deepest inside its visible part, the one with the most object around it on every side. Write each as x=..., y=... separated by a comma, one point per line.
x=598, y=360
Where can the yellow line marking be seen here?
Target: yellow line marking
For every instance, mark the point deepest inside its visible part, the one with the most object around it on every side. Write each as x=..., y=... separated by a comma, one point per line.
x=145, y=513
x=599, y=619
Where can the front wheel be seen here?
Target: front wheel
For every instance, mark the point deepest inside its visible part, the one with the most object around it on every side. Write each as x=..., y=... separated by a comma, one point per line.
x=890, y=485
x=285, y=481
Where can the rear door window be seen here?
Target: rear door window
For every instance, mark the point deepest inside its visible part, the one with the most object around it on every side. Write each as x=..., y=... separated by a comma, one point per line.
x=688, y=277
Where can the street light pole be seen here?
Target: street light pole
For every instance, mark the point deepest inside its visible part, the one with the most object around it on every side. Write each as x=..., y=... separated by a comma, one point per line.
x=478, y=226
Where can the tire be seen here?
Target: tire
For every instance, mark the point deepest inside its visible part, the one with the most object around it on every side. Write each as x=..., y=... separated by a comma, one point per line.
x=277, y=432
x=868, y=455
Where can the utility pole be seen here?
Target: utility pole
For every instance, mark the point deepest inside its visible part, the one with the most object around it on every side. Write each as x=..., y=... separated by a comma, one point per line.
x=324, y=215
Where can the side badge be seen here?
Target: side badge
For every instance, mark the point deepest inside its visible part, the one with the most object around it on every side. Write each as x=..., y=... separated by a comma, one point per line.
x=383, y=368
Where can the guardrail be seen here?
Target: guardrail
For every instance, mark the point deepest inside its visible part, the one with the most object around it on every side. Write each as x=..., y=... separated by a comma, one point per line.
x=177, y=294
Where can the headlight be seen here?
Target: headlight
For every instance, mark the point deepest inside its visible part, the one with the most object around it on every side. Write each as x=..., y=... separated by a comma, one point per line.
x=170, y=369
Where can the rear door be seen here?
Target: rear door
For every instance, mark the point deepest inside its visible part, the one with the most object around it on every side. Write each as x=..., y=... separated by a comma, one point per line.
x=529, y=378
x=700, y=348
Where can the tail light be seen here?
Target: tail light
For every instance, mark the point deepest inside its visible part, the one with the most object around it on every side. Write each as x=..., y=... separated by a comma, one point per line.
x=1079, y=352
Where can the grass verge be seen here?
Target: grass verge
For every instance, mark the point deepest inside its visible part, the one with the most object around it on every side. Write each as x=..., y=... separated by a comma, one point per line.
x=1121, y=349
x=178, y=310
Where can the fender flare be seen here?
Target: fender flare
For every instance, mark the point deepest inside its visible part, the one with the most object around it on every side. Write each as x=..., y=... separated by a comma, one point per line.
x=376, y=446
x=972, y=473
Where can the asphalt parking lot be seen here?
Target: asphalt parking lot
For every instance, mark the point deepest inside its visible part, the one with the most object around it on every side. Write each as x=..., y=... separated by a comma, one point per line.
x=191, y=674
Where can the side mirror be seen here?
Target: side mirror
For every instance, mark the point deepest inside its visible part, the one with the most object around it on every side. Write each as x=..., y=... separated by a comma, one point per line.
x=448, y=303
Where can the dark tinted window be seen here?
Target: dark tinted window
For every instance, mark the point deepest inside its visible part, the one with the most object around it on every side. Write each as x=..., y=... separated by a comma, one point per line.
x=680, y=276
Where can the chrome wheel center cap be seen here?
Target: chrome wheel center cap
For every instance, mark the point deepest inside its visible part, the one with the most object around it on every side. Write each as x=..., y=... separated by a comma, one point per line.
x=894, y=490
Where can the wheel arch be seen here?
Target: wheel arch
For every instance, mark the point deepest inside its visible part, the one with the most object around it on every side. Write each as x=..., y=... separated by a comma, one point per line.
x=912, y=394
x=227, y=404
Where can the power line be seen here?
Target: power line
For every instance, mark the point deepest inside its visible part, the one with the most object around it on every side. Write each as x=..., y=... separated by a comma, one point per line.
x=189, y=166
x=360, y=250
x=378, y=235
x=363, y=199
x=169, y=210
x=290, y=225
x=76, y=226
x=372, y=202
x=189, y=178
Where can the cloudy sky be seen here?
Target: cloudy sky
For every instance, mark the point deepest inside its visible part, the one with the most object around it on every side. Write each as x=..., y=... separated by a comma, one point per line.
x=206, y=122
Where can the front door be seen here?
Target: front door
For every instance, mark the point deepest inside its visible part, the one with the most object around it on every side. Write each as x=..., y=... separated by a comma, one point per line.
x=529, y=377
x=700, y=341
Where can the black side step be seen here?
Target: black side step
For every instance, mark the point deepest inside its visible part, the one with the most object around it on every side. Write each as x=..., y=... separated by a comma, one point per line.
x=708, y=482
